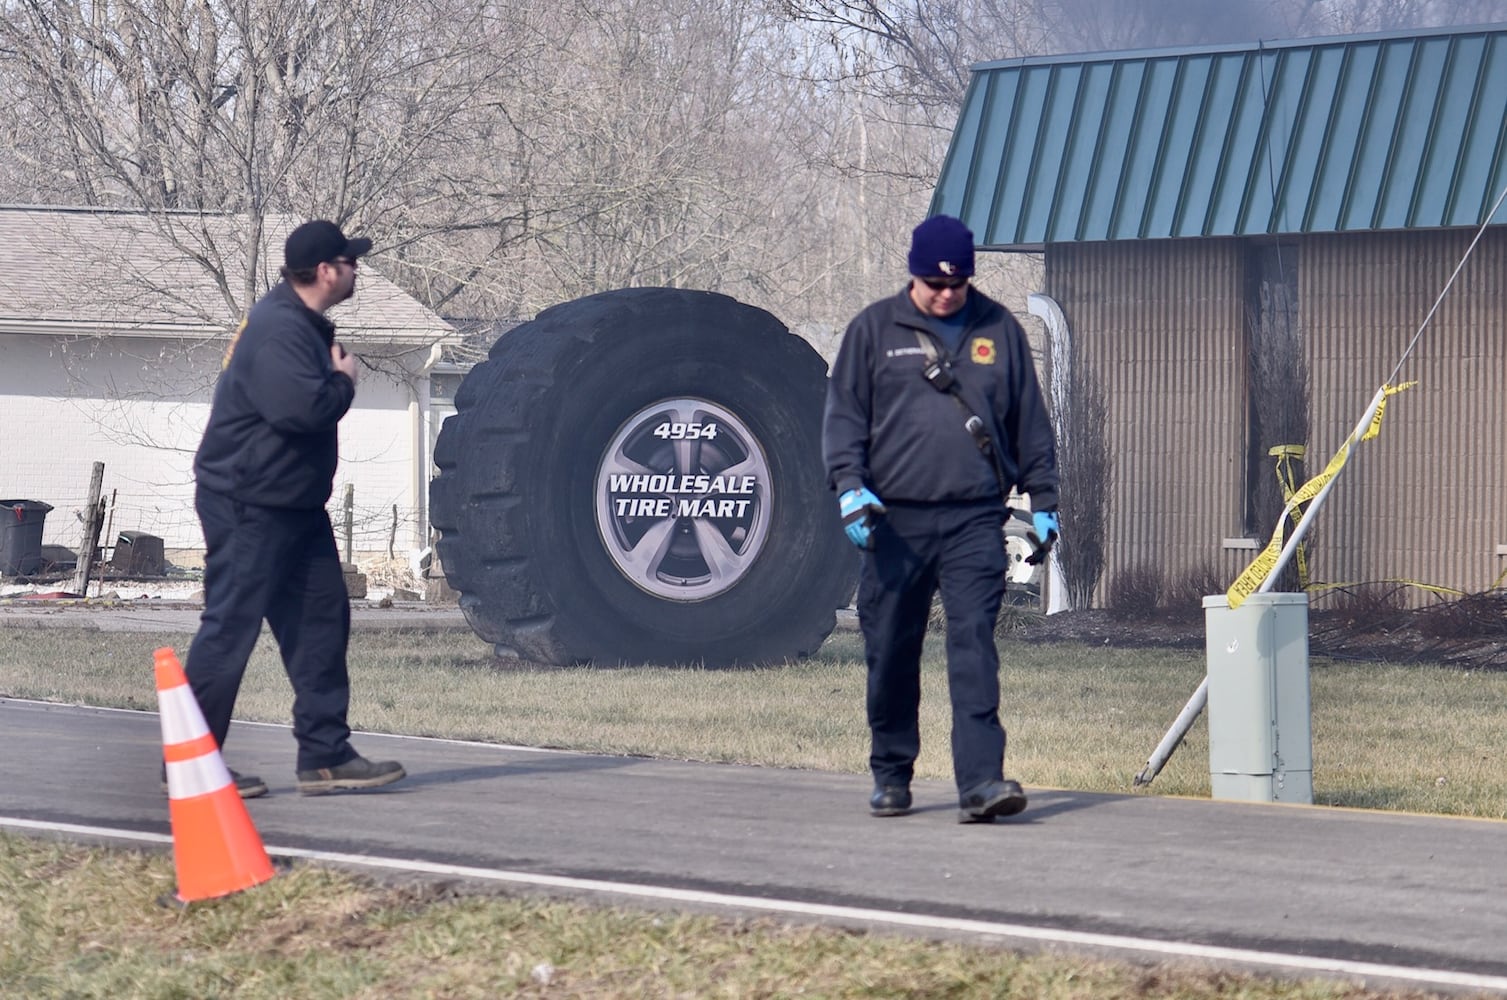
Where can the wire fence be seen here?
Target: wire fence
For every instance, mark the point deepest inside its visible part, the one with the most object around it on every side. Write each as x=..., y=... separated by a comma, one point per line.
x=363, y=532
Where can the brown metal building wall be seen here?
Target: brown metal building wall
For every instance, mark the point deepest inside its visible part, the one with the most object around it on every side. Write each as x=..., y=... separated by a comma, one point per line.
x=1161, y=323
x=1425, y=500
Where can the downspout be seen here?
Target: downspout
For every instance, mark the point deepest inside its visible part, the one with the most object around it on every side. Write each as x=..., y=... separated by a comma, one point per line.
x=420, y=420
x=1059, y=348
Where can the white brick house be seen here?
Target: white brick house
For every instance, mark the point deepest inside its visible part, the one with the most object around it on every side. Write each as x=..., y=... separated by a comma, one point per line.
x=112, y=327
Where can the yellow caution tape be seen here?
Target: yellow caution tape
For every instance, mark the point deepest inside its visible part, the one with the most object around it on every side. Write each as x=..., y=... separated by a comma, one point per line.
x=1286, y=455
x=1381, y=408
x=1430, y=587
x=1245, y=585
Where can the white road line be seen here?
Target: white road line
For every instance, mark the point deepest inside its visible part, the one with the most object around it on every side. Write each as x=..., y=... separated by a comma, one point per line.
x=985, y=928
x=287, y=728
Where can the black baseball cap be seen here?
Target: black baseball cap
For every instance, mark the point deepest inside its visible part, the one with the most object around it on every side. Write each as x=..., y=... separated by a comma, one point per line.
x=314, y=243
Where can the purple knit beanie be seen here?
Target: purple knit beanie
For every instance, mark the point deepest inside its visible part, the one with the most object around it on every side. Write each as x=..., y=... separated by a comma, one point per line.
x=941, y=247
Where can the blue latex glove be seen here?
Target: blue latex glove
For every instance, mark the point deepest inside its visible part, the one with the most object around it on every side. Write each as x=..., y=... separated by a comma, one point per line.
x=1044, y=532
x=860, y=510
x=1046, y=525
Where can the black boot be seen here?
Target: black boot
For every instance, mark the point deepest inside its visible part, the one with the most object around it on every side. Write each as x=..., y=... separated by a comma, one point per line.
x=996, y=798
x=890, y=800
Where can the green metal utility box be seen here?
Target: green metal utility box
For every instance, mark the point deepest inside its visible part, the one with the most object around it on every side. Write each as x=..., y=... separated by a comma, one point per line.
x=1260, y=735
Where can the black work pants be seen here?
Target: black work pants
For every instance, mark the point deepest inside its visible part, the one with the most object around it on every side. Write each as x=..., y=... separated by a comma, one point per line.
x=957, y=548
x=282, y=566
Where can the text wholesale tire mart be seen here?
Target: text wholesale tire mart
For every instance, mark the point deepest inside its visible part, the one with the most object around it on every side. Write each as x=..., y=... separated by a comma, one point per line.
x=636, y=477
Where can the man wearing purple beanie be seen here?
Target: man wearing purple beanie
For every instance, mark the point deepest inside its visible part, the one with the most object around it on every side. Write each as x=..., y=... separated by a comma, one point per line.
x=934, y=405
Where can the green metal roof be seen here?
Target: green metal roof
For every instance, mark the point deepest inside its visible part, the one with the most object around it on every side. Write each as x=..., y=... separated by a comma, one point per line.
x=1370, y=132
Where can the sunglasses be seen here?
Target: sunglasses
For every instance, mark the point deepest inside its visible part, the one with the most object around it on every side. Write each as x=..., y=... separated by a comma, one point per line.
x=342, y=260
x=942, y=284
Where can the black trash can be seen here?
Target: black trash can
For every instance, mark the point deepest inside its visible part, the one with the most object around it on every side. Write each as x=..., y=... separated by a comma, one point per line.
x=21, y=536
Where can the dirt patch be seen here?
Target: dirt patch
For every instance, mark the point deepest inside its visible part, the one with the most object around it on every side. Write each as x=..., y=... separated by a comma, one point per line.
x=1470, y=633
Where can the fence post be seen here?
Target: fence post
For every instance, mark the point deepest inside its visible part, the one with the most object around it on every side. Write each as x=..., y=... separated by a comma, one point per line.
x=350, y=521
x=93, y=522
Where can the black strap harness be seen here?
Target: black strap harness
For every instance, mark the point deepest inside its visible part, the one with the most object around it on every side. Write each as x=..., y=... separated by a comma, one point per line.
x=938, y=374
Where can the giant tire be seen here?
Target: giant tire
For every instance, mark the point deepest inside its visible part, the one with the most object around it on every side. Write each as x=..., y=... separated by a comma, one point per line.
x=1022, y=579
x=549, y=518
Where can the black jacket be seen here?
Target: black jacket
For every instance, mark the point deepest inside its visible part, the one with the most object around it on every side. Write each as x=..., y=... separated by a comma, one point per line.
x=887, y=428
x=272, y=438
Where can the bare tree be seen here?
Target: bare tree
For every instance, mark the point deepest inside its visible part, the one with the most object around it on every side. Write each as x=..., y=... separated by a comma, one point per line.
x=504, y=156
x=1319, y=17
x=1087, y=470
x=1097, y=25
x=668, y=142
x=251, y=108
x=511, y=155
x=918, y=52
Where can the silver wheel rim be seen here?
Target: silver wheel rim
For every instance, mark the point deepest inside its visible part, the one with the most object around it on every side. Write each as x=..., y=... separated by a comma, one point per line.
x=683, y=517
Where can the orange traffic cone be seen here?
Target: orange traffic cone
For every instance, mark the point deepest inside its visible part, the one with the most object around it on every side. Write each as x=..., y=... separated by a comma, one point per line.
x=216, y=849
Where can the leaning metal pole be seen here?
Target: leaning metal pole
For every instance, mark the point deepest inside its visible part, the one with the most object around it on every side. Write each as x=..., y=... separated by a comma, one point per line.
x=1195, y=705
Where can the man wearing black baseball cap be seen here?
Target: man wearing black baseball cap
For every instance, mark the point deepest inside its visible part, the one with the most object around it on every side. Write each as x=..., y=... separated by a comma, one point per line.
x=320, y=242
x=265, y=470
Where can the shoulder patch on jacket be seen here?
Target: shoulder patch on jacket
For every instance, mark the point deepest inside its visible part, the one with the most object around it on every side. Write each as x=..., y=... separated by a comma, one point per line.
x=234, y=339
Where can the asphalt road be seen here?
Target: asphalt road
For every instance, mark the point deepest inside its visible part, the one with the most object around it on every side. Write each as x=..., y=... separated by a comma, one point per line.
x=1380, y=897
